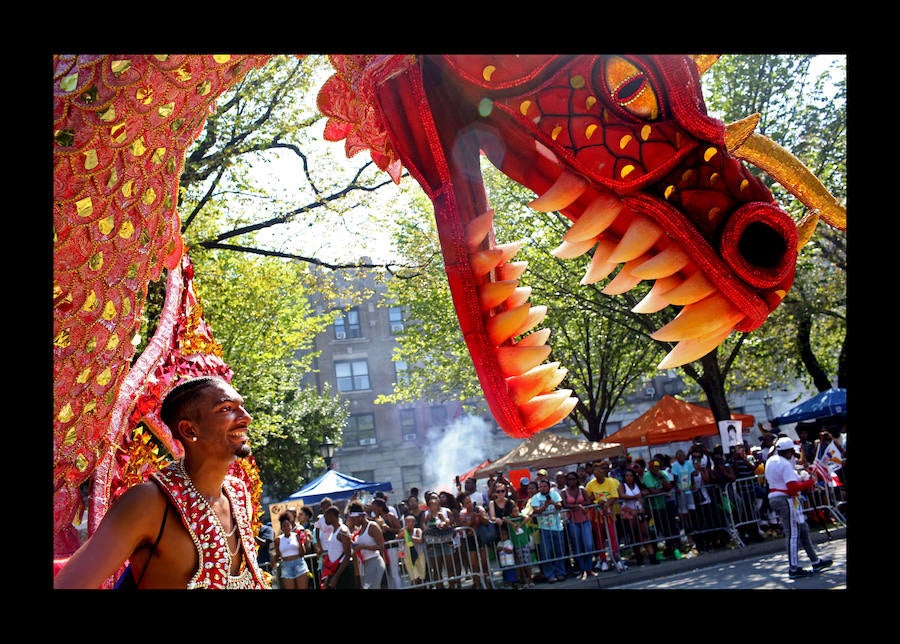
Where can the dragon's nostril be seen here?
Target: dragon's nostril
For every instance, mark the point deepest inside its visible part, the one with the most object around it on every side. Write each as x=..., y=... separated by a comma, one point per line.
x=759, y=242
x=762, y=245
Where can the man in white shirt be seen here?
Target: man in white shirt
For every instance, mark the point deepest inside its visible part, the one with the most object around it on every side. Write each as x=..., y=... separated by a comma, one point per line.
x=785, y=486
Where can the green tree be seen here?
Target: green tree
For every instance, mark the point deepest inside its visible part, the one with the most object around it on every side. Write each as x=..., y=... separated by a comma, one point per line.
x=806, y=336
x=253, y=287
x=288, y=456
x=259, y=311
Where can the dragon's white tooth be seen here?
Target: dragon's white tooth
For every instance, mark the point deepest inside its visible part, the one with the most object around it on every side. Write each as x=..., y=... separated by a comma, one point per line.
x=511, y=270
x=596, y=218
x=654, y=300
x=535, y=339
x=667, y=262
x=703, y=318
x=637, y=240
x=536, y=315
x=600, y=266
x=569, y=250
x=650, y=304
x=518, y=297
x=567, y=188
x=626, y=279
x=692, y=289
x=693, y=349
x=477, y=230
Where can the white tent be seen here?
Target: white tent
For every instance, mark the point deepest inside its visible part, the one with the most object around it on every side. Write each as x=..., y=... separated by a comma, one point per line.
x=547, y=450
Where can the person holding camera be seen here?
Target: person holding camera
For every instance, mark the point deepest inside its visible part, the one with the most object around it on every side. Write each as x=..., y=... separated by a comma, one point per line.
x=546, y=505
x=701, y=451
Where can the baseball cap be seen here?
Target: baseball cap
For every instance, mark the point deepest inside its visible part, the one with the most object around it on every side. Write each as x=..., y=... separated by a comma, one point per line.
x=784, y=443
x=542, y=472
x=524, y=480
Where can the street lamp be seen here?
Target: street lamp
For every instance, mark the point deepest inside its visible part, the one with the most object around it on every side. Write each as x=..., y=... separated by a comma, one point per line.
x=767, y=400
x=326, y=449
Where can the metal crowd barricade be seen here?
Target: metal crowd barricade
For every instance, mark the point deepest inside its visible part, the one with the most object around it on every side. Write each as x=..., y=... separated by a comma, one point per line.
x=712, y=513
x=605, y=540
x=610, y=536
x=716, y=509
x=744, y=500
x=830, y=500
x=648, y=528
x=448, y=563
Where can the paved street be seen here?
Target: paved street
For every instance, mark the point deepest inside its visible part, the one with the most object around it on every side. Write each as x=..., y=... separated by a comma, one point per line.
x=760, y=566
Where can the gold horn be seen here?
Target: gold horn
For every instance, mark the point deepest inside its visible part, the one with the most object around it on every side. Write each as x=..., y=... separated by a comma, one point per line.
x=787, y=170
x=704, y=61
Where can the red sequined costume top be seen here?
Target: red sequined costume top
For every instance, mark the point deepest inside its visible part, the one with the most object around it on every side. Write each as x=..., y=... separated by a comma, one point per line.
x=207, y=533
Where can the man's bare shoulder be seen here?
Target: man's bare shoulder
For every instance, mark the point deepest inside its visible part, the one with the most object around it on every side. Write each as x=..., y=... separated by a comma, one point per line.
x=144, y=501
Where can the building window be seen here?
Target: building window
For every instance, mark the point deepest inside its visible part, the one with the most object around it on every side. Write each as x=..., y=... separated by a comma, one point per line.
x=365, y=475
x=438, y=416
x=395, y=315
x=360, y=430
x=411, y=476
x=352, y=375
x=408, y=424
x=401, y=376
x=346, y=325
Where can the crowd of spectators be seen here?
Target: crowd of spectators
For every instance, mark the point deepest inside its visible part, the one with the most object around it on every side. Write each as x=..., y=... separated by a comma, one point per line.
x=584, y=520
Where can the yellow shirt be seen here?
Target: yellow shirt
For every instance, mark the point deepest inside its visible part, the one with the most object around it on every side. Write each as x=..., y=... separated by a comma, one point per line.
x=608, y=489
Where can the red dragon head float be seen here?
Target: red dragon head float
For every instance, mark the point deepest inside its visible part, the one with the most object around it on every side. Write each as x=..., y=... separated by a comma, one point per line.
x=621, y=145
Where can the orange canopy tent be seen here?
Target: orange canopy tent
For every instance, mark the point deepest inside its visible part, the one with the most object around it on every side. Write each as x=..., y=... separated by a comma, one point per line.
x=672, y=420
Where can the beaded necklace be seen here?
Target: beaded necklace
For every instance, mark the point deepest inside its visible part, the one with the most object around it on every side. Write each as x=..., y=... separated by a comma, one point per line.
x=215, y=516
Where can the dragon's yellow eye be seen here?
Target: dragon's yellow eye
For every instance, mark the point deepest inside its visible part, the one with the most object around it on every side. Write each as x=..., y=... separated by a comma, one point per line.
x=629, y=88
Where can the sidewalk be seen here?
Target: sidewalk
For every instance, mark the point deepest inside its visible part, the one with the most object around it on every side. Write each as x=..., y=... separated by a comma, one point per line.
x=669, y=566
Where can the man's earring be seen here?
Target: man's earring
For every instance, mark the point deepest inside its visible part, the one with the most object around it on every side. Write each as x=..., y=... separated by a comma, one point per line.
x=193, y=439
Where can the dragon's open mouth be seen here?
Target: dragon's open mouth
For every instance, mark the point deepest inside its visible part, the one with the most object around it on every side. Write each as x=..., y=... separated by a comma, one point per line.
x=620, y=239
x=648, y=184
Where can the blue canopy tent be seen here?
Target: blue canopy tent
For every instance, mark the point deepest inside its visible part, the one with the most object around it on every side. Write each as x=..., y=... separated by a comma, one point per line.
x=831, y=404
x=336, y=486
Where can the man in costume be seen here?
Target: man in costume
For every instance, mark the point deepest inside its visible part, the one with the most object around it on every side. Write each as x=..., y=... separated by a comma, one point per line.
x=212, y=544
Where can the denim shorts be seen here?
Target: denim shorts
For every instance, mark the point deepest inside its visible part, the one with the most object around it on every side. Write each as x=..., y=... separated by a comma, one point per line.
x=294, y=568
